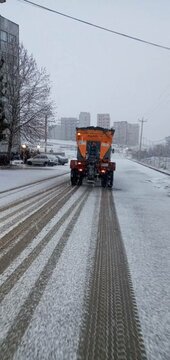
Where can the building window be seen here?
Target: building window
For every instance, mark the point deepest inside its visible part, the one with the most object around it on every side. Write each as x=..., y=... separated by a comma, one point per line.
x=4, y=35
x=12, y=39
x=3, y=46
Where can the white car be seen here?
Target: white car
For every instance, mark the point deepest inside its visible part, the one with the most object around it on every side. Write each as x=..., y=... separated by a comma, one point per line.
x=42, y=160
x=16, y=162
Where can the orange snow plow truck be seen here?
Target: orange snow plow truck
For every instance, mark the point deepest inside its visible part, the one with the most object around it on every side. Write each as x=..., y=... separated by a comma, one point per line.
x=93, y=164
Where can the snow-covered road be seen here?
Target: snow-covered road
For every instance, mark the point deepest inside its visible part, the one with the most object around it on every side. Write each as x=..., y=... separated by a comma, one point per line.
x=142, y=200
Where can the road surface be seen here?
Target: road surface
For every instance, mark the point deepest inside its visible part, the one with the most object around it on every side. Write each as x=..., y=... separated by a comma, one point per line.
x=75, y=277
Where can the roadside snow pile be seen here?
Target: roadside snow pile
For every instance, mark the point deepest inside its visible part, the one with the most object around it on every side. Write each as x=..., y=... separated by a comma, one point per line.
x=159, y=163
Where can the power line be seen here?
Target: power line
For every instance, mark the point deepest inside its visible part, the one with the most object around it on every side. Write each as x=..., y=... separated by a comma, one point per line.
x=161, y=99
x=96, y=26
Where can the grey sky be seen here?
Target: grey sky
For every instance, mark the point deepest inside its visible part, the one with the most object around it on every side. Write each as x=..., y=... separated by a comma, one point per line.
x=95, y=71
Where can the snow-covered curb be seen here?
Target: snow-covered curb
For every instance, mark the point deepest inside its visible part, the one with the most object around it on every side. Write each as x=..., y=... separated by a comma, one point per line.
x=151, y=167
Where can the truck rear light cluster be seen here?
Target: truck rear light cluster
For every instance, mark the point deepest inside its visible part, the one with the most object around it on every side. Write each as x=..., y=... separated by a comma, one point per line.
x=103, y=171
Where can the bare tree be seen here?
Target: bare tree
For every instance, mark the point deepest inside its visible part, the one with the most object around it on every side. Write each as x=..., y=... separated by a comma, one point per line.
x=28, y=98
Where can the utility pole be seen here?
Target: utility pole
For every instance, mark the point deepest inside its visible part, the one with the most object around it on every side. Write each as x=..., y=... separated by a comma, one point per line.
x=45, y=133
x=141, y=134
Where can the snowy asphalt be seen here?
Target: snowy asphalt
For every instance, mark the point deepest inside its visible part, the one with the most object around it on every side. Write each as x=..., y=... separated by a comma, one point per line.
x=142, y=200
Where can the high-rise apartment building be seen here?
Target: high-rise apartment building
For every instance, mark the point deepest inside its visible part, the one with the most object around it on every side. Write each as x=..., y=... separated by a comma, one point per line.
x=125, y=133
x=68, y=128
x=120, y=136
x=103, y=120
x=9, y=35
x=133, y=134
x=9, y=54
x=84, y=119
x=54, y=131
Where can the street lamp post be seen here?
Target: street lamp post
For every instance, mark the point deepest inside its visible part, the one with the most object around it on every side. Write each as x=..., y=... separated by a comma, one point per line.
x=23, y=147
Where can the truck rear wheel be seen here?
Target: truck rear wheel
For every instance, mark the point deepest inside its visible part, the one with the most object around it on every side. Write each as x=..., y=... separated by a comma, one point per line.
x=80, y=181
x=110, y=179
x=104, y=181
x=73, y=177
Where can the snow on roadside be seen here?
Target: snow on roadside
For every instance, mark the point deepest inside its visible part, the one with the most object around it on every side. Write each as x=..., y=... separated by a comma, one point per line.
x=143, y=207
x=9, y=178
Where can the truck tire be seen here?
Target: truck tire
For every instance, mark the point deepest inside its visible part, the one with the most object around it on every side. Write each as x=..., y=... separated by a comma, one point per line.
x=110, y=179
x=104, y=181
x=73, y=177
x=80, y=181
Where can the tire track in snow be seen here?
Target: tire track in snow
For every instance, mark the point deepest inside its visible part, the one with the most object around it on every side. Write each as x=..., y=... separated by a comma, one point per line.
x=14, y=229
x=16, y=332
x=20, y=214
x=33, y=183
x=13, y=301
x=27, y=198
x=111, y=327
x=26, y=263
x=29, y=228
x=54, y=329
x=14, y=221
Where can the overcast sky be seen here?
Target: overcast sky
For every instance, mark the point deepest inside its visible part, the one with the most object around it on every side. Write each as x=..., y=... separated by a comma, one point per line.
x=99, y=72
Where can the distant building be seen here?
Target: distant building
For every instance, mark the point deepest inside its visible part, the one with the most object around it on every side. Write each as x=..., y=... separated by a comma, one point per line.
x=54, y=132
x=103, y=120
x=133, y=134
x=68, y=128
x=84, y=119
x=120, y=136
x=125, y=133
x=9, y=52
x=167, y=139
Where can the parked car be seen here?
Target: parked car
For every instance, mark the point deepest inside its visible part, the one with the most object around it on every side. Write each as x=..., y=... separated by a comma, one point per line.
x=53, y=159
x=62, y=159
x=43, y=160
x=16, y=160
